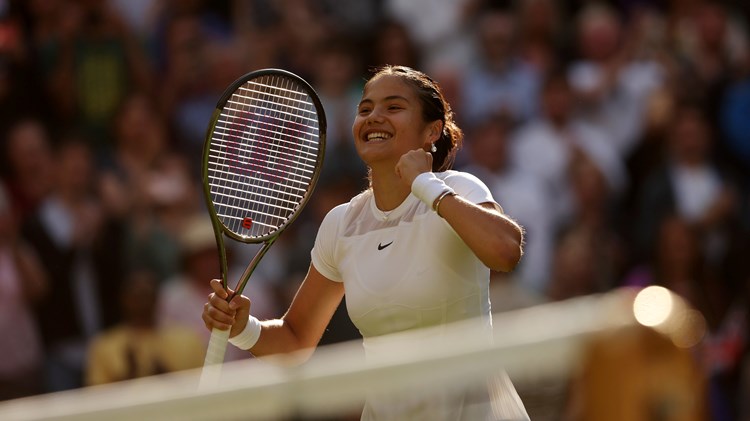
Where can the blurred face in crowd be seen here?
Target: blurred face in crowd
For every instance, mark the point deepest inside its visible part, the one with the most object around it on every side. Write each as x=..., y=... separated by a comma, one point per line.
x=395, y=46
x=690, y=138
x=203, y=264
x=540, y=17
x=557, y=100
x=496, y=37
x=589, y=185
x=676, y=247
x=139, y=299
x=75, y=169
x=711, y=25
x=187, y=51
x=599, y=34
x=29, y=153
x=335, y=71
x=488, y=144
x=574, y=273
x=138, y=130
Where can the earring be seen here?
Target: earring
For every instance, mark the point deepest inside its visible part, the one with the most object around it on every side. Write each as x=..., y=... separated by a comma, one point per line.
x=433, y=149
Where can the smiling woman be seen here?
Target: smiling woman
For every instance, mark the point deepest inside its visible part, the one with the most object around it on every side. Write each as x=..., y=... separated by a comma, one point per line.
x=413, y=250
x=410, y=92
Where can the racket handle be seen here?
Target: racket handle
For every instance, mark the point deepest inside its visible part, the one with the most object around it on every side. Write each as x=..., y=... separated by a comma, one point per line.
x=217, y=347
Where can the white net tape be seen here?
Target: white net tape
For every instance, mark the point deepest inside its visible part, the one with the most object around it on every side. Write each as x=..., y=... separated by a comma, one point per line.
x=545, y=341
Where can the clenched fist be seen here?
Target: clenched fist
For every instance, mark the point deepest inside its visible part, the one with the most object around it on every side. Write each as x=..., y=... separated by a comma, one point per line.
x=413, y=163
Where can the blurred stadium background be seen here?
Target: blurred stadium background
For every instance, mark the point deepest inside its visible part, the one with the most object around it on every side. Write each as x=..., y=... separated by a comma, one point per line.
x=616, y=132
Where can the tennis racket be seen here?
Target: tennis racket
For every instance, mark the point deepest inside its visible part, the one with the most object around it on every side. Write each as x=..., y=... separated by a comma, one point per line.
x=262, y=157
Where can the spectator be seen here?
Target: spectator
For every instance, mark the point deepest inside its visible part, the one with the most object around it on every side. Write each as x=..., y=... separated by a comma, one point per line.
x=303, y=27
x=99, y=63
x=440, y=30
x=650, y=151
x=393, y=44
x=21, y=93
x=711, y=47
x=609, y=77
x=141, y=18
x=138, y=347
x=29, y=157
x=573, y=275
x=22, y=286
x=676, y=263
x=655, y=380
x=594, y=213
x=148, y=188
x=497, y=80
x=542, y=38
x=337, y=81
x=198, y=65
x=546, y=146
x=735, y=126
x=524, y=197
x=258, y=33
x=82, y=260
x=689, y=184
x=679, y=263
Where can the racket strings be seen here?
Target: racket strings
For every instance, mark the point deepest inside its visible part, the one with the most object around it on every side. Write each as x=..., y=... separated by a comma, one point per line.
x=251, y=164
x=263, y=155
x=285, y=153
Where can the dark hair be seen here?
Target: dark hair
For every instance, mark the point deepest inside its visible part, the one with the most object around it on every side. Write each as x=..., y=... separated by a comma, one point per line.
x=434, y=107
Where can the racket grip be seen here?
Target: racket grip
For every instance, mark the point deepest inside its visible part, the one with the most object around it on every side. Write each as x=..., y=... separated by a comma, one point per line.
x=217, y=347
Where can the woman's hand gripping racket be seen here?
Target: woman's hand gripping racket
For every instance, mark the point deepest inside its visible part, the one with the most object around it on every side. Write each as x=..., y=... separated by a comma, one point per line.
x=261, y=159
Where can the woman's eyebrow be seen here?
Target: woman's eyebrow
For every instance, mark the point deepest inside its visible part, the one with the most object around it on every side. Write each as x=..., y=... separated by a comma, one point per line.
x=388, y=98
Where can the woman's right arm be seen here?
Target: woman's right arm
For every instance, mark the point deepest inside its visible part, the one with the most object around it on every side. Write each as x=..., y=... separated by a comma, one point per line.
x=299, y=329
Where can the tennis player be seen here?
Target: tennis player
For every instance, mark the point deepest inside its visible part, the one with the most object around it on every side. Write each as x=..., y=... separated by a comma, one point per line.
x=414, y=250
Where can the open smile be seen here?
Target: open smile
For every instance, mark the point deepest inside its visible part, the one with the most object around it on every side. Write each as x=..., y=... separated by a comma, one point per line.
x=377, y=136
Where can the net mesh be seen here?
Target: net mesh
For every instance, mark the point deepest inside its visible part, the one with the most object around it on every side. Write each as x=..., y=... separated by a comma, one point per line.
x=542, y=349
x=262, y=155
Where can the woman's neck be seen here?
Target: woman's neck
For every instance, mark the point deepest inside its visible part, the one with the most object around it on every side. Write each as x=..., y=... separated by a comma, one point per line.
x=388, y=189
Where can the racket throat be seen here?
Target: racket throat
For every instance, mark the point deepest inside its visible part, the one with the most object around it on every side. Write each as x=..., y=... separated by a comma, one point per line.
x=250, y=268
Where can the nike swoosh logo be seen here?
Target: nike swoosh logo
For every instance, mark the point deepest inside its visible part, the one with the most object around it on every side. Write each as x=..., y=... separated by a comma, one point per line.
x=381, y=246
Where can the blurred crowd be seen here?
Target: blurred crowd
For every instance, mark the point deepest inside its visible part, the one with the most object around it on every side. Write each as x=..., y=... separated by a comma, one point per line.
x=617, y=133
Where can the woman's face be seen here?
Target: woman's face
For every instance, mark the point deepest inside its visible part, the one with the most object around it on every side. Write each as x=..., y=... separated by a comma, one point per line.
x=389, y=122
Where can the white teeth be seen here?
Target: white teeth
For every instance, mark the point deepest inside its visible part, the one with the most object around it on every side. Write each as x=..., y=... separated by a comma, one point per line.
x=378, y=136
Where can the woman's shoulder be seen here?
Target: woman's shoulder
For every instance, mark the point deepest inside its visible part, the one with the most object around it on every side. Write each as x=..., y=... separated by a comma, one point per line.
x=361, y=198
x=467, y=185
x=458, y=177
x=356, y=203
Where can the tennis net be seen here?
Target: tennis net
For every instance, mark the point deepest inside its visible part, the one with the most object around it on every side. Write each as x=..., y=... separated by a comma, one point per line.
x=543, y=349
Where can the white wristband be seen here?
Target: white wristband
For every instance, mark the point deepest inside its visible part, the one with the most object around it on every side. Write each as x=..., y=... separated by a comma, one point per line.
x=427, y=187
x=249, y=335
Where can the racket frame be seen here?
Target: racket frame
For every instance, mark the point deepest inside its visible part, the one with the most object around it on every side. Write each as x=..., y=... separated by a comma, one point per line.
x=220, y=230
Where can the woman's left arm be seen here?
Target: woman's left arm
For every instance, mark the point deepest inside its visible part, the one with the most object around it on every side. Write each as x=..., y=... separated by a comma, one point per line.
x=495, y=239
